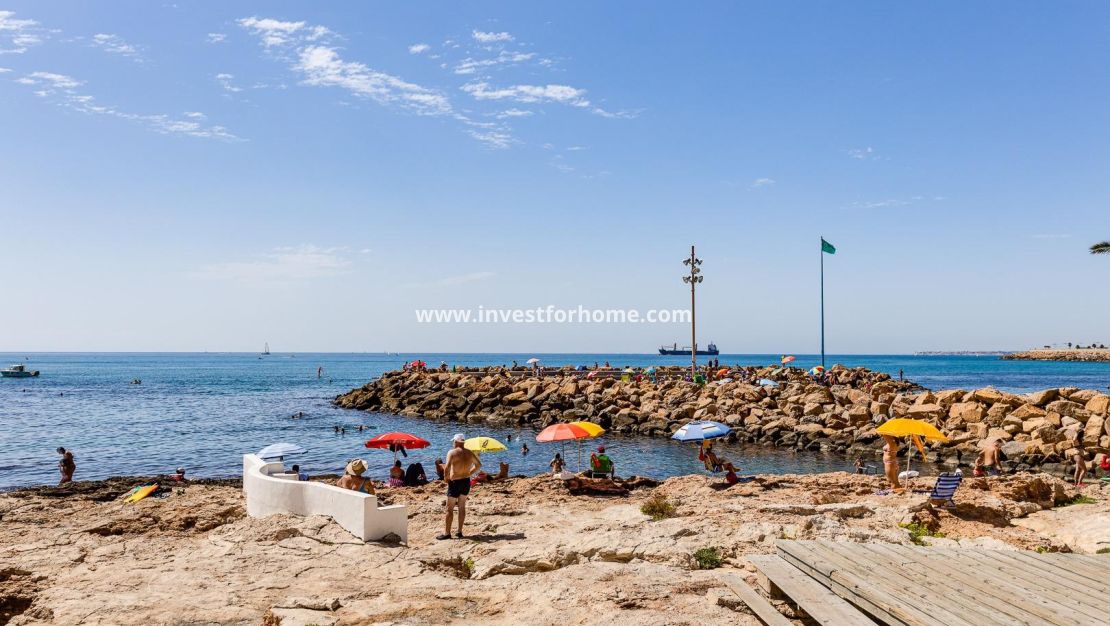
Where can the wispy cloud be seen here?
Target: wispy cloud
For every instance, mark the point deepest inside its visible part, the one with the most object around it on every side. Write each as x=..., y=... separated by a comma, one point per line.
x=216, y=37
x=281, y=266
x=563, y=94
x=483, y=37
x=499, y=140
x=1051, y=236
x=63, y=91
x=762, y=182
x=864, y=154
x=504, y=58
x=17, y=35
x=881, y=204
x=514, y=113
x=225, y=81
x=321, y=65
x=116, y=45
x=419, y=48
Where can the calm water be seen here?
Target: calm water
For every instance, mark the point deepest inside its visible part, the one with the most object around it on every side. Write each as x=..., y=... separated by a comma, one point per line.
x=203, y=411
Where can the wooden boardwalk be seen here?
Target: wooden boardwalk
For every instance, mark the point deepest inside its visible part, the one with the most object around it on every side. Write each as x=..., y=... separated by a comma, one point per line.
x=857, y=583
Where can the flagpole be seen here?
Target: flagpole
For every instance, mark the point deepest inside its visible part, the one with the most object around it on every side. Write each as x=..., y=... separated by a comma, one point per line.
x=821, y=251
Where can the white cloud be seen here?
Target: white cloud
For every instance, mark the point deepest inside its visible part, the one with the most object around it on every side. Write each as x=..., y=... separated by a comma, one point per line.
x=196, y=115
x=504, y=58
x=116, y=45
x=217, y=37
x=225, y=82
x=20, y=34
x=881, y=204
x=5, y=70
x=867, y=153
x=494, y=139
x=514, y=113
x=62, y=90
x=419, y=48
x=482, y=37
x=322, y=66
x=762, y=182
x=272, y=32
x=281, y=265
x=563, y=94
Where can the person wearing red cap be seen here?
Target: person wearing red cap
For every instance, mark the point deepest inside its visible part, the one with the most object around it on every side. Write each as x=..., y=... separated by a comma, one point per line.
x=601, y=464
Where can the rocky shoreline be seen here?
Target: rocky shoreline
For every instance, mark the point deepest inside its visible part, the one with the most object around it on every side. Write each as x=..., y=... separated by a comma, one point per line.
x=1038, y=430
x=537, y=553
x=1084, y=355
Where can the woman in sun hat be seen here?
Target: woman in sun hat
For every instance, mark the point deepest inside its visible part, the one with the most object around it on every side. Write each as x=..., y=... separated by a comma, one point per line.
x=353, y=479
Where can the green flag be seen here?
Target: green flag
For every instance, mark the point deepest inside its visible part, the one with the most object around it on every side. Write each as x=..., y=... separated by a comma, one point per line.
x=827, y=247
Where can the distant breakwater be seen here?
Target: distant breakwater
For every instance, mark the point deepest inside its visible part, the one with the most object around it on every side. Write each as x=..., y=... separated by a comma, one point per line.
x=1085, y=355
x=1038, y=430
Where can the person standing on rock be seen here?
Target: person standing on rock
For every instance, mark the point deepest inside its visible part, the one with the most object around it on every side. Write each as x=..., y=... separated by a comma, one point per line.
x=66, y=465
x=460, y=466
x=890, y=461
x=1080, y=460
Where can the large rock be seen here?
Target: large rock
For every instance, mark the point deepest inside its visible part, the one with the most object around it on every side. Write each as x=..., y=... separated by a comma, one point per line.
x=1099, y=404
x=925, y=411
x=969, y=412
x=1041, y=398
x=1027, y=411
x=989, y=395
x=1065, y=407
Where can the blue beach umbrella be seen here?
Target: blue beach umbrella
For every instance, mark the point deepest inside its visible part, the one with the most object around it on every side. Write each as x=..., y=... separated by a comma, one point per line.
x=698, y=431
x=279, y=450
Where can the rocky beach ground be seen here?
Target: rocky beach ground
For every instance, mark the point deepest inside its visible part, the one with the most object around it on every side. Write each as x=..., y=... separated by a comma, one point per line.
x=1039, y=430
x=537, y=553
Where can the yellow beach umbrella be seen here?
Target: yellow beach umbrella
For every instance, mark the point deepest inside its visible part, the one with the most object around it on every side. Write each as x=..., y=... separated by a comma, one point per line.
x=904, y=427
x=591, y=428
x=484, y=444
x=915, y=429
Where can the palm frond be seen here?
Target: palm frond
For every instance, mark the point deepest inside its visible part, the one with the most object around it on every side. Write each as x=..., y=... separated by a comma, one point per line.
x=1102, y=247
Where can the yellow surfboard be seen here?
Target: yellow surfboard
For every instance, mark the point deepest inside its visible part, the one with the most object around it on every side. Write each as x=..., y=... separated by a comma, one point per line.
x=142, y=493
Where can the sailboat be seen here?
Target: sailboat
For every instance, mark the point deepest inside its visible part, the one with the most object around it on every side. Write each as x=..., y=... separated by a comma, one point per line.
x=266, y=350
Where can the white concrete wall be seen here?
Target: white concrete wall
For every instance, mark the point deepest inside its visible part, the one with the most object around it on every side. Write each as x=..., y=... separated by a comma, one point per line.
x=354, y=511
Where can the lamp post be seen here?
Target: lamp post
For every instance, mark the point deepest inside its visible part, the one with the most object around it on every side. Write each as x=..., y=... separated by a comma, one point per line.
x=693, y=279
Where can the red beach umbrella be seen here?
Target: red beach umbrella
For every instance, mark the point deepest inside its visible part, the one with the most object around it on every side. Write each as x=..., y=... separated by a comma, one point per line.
x=405, y=440
x=385, y=440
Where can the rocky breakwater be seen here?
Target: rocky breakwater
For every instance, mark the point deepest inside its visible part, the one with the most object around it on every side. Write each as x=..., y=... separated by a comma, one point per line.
x=1088, y=355
x=1038, y=430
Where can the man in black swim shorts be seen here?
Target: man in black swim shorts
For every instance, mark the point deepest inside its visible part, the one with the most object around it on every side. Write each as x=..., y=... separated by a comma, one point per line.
x=461, y=464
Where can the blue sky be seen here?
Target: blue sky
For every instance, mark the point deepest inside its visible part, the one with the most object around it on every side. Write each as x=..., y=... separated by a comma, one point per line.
x=216, y=175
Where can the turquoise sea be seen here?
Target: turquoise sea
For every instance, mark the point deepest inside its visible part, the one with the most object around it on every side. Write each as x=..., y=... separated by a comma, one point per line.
x=204, y=410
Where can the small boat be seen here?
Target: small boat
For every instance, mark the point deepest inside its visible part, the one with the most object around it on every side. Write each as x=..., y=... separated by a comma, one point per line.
x=18, y=371
x=674, y=350
x=266, y=350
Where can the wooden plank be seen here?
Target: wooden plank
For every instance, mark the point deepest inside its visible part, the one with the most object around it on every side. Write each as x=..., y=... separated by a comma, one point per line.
x=898, y=585
x=932, y=591
x=797, y=555
x=1065, y=581
x=1073, y=568
x=822, y=605
x=763, y=609
x=1000, y=594
x=885, y=601
x=1039, y=586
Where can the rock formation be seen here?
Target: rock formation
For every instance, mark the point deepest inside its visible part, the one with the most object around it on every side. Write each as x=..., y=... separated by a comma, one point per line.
x=1037, y=430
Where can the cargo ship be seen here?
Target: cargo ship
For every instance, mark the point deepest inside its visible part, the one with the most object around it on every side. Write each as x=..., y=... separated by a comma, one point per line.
x=675, y=350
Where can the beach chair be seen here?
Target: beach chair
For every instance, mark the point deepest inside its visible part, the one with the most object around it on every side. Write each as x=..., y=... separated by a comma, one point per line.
x=945, y=489
x=602, y=468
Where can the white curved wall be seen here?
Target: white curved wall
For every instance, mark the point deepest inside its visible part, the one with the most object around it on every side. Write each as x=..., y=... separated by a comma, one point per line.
x=354, y=511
